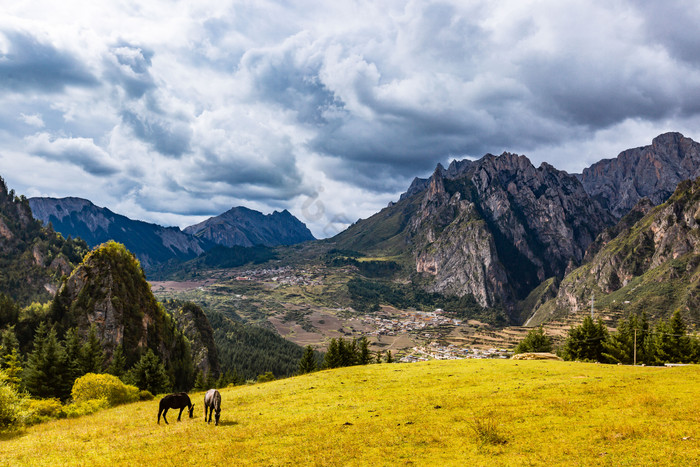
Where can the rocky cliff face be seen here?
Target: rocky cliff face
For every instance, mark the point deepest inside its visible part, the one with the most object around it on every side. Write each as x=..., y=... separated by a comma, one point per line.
x=651, y=266
x=651, y=171
x=241, y=226
x=151, y=243
x=194, y=324
x=497, y=227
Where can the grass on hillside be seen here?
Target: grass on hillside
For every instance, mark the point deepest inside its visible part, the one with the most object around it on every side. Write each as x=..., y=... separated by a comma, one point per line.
x=482, y=412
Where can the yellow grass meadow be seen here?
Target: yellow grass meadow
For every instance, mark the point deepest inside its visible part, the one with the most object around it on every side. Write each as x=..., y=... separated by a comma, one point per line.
x=459, y=412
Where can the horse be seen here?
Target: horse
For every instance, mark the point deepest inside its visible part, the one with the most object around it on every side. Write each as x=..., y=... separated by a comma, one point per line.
x=212, y=403
x=175, y=401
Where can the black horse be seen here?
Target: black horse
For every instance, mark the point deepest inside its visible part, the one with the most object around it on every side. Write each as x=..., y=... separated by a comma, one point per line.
x=212, y=403
x=175, y=401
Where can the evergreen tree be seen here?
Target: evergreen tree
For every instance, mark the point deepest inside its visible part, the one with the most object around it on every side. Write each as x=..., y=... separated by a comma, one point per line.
x=9, y=311
x=200, y=381
x=535, y=341
x=117, y=366
x=347, y=351
x=389, y=357
x=671, y=342
x=149, y=374
x=10, y=357
x=585, y=342
x=73, y=354
x=92, y=354
x=332, y=358
x=620, y=347
x=46, y=374
x=307, y=364
x=365, y=356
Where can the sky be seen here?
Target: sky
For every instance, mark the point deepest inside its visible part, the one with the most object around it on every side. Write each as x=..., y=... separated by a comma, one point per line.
x=175, y=111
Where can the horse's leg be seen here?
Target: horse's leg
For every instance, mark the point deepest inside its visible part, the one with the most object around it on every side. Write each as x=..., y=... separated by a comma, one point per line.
x=180, y=414
x=165, y=419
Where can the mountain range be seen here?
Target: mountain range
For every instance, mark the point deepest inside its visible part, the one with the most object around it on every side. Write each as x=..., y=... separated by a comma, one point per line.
x=497, y=228
x=153, y=244
x=508, y=233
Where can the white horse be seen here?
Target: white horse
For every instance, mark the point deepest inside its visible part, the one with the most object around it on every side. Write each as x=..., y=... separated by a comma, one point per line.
x=212, y=403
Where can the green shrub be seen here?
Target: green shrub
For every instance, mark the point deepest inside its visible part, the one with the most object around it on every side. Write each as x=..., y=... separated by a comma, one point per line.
x=103, y=386
x=145, y=395
x=41, y=410
x=78, y=409
x=10, y=402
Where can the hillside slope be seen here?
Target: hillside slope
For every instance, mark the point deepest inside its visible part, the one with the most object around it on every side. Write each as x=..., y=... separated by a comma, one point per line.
x=462, y=412
x=651, y=266
x=32, y=258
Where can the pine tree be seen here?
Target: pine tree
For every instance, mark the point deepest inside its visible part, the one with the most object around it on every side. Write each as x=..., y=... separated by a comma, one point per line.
x=92, y=354
x=307, y=364
x=365, y=356
x=10, y=357
x=671, y=342
x=585, y=342
x=200, y=382
x=332, y=358
x=117, y=366
x=149, y=374
x=389, y=357
x=535, y=341
x=46, y=374
x=73, y=354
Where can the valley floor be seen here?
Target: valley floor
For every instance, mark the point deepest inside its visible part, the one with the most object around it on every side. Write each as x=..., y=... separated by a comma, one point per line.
x=465, y=412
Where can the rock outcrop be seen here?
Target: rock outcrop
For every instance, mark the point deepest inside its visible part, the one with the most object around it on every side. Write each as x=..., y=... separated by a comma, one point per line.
x=109, y=290
x=651, y=171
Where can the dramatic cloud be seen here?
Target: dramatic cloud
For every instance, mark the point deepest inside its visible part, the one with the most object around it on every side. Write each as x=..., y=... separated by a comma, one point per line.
x=175, y=111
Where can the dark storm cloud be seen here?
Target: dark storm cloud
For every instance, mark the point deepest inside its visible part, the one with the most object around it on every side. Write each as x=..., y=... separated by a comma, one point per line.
x=674, y=24
x=166, y=135
x=29, y=64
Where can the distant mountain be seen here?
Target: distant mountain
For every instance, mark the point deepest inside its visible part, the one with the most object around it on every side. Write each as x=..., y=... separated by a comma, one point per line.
x=494, y=228
x=32, y=257
x=651, y=171
x=650, y=266
x=152, y=244
x=241, y=226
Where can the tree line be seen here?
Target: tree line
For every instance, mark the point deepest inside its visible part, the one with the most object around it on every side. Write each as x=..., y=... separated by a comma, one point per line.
x=635, y=341
x=342, y=353
x=53, y=364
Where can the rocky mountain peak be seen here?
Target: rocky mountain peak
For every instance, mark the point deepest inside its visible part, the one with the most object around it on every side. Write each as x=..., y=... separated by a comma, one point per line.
x=651, y=171
x=240, y=226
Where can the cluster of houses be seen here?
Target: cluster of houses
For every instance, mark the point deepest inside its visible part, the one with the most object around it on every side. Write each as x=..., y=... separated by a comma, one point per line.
x=436, y=351
x=408, y=322
x=284, y=275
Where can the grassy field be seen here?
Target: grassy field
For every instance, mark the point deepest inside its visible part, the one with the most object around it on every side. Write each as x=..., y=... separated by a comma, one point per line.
x=460, y=412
